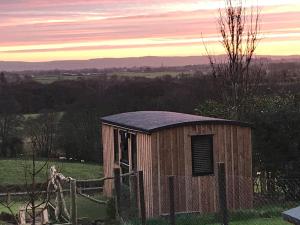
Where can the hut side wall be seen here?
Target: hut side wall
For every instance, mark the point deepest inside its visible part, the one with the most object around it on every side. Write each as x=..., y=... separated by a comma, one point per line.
x=171, y=154
x=108, y=157
x=144, y=163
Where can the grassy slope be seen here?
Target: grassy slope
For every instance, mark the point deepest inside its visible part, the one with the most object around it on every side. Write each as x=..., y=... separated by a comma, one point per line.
x=12, y=170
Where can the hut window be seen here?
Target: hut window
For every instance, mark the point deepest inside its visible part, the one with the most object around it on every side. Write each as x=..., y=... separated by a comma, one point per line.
x=116, y=145
x=202, y=155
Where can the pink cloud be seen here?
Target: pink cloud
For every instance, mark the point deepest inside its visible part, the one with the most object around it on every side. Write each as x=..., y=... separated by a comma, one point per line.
x=36, y=22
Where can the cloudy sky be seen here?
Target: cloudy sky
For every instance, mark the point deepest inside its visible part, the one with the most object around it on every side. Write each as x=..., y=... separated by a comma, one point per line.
x=42, y=30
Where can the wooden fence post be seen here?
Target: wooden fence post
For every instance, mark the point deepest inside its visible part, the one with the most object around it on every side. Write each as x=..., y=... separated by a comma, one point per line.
x=142, y=197
x=222, y=193
x=172, y=200
x=73, y=202
x=8, y=198
x=133, y=191
x=117, y=180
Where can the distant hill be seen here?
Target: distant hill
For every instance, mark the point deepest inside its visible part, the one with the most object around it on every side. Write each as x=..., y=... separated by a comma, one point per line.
x=102, y=63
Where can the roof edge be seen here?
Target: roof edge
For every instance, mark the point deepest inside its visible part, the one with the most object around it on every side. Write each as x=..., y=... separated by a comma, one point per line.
x=149, y=131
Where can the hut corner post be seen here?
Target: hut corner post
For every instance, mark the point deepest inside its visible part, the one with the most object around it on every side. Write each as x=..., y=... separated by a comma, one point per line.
x=222, y=193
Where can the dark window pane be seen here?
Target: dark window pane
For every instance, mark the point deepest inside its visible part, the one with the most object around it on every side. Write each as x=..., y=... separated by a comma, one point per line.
x=202, y=155
x=133, y=151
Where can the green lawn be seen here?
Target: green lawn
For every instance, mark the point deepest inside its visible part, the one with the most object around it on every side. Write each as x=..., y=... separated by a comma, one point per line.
x=12, y=170
x=260, y=221
x=89, y=209
x=264, y=215
x=245, y=221
x=85, y=208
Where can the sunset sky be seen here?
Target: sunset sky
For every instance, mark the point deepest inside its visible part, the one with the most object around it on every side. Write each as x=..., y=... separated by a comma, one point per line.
x=43, y=30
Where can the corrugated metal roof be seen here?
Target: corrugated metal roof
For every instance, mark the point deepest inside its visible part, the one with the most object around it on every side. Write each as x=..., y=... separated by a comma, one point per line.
x=149, y=121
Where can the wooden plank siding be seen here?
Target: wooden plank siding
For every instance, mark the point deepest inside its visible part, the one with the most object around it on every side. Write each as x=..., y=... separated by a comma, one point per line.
x=168, y=152
x=171, y=155
x=144, y=163
x=108, y=158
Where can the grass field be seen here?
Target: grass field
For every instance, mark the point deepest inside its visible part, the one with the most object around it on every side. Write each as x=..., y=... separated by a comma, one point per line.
x=47, y=79
x=147, y=74
x=12, y=170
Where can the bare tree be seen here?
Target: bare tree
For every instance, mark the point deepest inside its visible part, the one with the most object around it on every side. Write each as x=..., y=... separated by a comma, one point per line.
x=235, y=78
x=37, y=198
x=42, y=133
x=9, y=205
x=37, y=195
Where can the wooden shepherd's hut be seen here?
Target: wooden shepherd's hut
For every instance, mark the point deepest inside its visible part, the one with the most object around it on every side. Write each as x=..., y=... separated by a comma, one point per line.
x=187, y=146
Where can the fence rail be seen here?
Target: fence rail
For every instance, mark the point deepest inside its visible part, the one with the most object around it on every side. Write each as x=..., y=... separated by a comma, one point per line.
x=270, y=198
x=246, y=201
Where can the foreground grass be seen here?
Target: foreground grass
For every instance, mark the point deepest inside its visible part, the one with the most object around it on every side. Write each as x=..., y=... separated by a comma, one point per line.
x=12, y=170
x=260, y=221
x=242, y=221
x=265, y=215
x=85, y=208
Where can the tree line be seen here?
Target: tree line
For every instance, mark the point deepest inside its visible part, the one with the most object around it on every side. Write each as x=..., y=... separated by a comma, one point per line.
x=64, y=117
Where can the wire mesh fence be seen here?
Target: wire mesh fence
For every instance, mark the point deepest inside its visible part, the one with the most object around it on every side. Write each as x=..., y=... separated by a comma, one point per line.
x=198, y=200
x=18, y=203
x=91, y=204
x=15, y=204
x=180, y=200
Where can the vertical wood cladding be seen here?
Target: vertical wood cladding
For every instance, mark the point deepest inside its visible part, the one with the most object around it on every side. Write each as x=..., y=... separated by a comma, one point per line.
x=108, y=157
x=168, y=152
x=172, y=155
